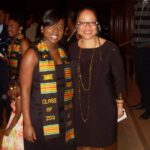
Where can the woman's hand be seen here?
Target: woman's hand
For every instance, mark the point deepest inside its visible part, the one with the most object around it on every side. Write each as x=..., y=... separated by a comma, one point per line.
x=120, y=112
x=29, y=133
x=120, y=108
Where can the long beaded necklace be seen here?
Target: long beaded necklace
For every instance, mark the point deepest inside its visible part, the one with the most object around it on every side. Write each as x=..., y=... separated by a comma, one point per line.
x=86, y=89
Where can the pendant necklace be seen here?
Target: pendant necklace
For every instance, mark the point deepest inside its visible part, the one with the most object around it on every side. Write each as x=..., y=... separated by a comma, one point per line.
x=85, y=89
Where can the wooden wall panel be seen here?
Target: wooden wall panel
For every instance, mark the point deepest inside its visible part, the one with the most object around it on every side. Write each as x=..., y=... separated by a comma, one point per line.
x=121, y=31
x=121, y=21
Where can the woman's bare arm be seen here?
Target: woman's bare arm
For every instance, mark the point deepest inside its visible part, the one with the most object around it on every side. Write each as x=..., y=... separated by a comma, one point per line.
x=28, y=64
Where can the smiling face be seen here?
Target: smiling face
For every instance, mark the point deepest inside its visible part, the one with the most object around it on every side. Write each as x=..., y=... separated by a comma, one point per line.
x=54, y=33
x=13, y=28
x=87, y=24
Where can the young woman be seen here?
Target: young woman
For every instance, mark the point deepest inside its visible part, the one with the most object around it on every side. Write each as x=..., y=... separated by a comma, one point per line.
x=19, y=44
x=46, y=90
x=99, y=85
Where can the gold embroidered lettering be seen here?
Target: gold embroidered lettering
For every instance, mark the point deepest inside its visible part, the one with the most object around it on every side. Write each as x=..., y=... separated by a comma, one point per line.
x=69, y=84
x=51, y=117
x=49, y=109
x=44, y=101
x=48, y=77
x=49, y=101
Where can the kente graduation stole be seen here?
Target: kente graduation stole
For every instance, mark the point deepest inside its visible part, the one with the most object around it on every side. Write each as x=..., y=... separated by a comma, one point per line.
x=48, y=91
x=14, y=52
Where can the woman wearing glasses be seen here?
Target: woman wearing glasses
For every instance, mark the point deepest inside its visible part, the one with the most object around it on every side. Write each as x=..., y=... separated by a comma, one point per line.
x=99, y=85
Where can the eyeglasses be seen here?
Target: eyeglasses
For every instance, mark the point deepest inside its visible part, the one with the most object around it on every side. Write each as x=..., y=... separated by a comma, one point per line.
x=85, y=23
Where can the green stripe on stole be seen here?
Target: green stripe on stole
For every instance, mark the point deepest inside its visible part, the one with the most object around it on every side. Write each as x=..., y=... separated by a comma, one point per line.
x=48, y=90
x=14, y=52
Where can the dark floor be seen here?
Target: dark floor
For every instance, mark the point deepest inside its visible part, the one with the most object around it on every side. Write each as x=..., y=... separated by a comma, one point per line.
x=133, y=133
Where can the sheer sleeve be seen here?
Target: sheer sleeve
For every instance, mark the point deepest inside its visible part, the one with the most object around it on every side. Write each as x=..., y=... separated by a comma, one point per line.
x=118, y=73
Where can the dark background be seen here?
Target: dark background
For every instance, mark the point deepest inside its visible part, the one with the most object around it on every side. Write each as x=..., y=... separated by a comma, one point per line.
x=40, y=5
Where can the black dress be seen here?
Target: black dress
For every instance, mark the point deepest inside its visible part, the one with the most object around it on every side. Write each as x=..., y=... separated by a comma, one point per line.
x=98, y=107
x=36, y=114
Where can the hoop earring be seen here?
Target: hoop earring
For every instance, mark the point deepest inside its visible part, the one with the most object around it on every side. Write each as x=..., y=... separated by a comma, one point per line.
x=20, y=30
x=42, y=29
x=98, y=28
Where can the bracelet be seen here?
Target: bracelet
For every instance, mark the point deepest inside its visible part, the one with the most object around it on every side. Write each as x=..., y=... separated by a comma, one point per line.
x=120, y=101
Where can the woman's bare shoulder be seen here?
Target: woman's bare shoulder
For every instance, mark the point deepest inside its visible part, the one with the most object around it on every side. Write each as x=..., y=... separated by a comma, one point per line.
x=30, y=55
